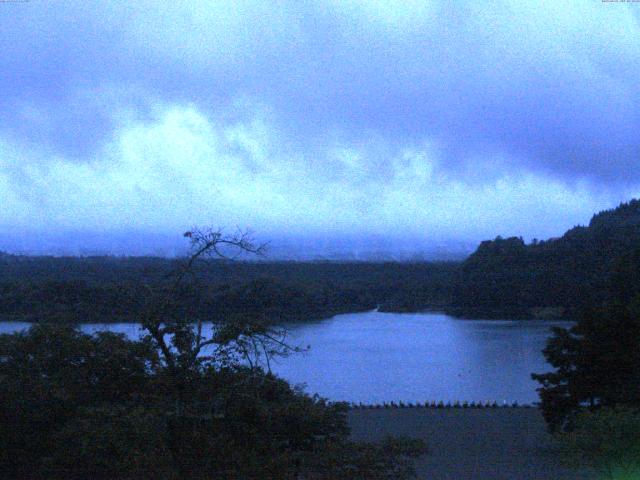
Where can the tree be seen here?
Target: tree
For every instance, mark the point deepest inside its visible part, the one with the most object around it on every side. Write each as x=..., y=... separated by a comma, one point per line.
x=597, y=361
x=50, y=376
x=180, y=340
x=178, y=404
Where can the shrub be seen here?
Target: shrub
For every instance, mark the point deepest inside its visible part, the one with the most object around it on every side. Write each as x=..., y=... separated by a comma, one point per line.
x=77, y=406
x=606, y=439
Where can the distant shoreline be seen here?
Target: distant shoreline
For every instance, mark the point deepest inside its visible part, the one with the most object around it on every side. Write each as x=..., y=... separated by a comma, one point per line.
x=455, y=312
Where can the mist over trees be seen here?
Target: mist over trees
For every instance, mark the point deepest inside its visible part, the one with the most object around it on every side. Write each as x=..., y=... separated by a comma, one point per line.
x=503, y=278
x=171, y=410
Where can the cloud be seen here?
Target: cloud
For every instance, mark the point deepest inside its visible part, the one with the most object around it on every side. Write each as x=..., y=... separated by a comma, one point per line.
x=183, y=168
x=332, y=116
x=551, y=83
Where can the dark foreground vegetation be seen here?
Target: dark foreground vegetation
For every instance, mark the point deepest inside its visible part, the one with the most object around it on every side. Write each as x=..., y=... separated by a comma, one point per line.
x=103, y=407
x=597, y=360
x=179, y=405
x=592, y=398
x=504, y=278
x=174, y=405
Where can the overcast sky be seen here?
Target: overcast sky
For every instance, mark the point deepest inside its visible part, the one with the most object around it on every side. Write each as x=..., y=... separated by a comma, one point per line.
x=397, y=119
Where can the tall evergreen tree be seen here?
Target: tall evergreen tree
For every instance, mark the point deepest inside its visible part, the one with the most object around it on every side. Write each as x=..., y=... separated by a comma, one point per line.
x=597, y=361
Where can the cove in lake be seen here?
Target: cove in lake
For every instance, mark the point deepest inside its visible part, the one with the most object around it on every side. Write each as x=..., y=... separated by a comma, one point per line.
x=376, y=357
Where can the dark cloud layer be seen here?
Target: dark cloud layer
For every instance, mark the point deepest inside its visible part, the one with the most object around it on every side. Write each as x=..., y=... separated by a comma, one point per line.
x=553, y=85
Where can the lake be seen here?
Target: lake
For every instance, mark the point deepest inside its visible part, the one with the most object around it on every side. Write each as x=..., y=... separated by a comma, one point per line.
x=376, y=357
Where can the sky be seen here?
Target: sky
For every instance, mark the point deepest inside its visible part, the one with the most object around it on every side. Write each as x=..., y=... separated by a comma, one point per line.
x=337, y=122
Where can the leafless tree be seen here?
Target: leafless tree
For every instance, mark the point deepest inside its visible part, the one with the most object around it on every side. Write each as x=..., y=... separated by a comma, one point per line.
x=182, y=341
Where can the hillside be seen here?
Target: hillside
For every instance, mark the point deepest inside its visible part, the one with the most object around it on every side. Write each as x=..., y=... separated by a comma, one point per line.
x=555, y=278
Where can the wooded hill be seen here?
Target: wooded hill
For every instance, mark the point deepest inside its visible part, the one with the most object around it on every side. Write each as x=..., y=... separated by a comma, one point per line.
x=555, y=278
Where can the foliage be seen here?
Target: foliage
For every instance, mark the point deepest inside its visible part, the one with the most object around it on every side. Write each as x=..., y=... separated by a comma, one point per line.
x=106, y=289
x=80, y=406
x=607, y=440
x=504, y=278
x=558, y=278
x=597, y=361
x=178, y=404
x=49, y=374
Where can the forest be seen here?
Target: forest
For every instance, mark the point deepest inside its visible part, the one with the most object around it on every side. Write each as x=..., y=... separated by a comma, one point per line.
x=503, y=278
x=106, y=289
x=176, y=404
x=556, y=278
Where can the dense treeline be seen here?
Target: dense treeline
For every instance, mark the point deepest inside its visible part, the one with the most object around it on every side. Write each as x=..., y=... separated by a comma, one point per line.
x=591, y=398
x=503, y=278
x=555, y=278
x=77, y=406
x=114, y=289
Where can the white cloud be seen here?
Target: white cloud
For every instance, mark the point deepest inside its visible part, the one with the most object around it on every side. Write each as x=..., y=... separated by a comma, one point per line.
x=184, y=168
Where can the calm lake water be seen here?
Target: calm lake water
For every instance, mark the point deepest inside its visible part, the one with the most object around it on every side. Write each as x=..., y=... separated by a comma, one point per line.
x=375, y=357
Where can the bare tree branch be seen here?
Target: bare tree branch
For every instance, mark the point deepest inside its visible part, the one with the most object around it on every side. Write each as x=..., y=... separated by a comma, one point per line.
x=179, y=341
